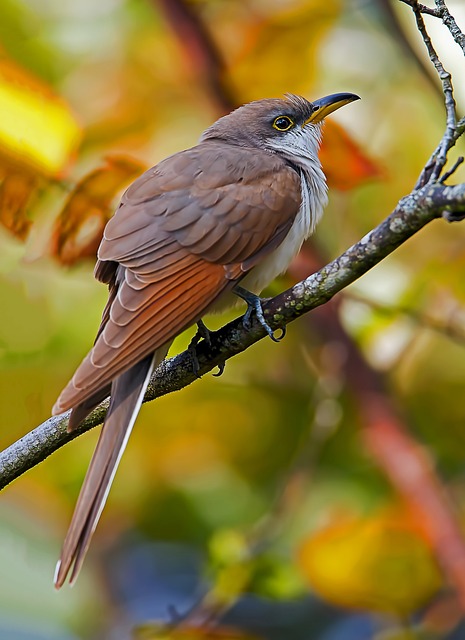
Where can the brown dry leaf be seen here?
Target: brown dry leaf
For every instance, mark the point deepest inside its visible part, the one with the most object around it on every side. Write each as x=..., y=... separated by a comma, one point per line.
x=345, y=163
x=16, y=191
x=78, y=229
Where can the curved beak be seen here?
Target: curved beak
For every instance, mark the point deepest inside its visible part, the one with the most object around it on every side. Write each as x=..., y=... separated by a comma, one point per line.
x=324, y=106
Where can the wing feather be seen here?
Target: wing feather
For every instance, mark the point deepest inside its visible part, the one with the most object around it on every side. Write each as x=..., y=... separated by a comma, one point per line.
x=185, y=232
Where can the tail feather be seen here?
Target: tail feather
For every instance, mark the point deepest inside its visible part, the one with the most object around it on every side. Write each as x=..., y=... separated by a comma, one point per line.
x=127, y=392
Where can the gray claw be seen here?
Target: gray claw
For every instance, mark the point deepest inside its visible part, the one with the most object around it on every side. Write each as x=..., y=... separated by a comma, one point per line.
x=254, y=305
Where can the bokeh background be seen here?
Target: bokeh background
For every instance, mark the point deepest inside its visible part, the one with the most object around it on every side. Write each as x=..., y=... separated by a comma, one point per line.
x=256, y=503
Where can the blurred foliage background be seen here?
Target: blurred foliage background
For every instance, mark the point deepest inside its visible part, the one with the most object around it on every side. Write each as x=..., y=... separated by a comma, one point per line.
x=252, y=500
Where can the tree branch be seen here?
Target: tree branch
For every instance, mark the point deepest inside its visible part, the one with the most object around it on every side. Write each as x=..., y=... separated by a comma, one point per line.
x=449, y=20
x=411, y=214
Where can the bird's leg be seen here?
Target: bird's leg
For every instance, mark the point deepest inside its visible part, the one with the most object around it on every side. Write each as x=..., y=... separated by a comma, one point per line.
x=254, y=305
x=202, y=332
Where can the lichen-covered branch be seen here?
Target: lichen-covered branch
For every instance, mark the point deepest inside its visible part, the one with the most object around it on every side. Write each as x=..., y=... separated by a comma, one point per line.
x=434, y=167
x=412, y=213
x=450, y=22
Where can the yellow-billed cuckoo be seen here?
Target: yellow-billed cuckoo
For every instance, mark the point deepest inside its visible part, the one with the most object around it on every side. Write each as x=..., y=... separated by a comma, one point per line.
x=233, y=209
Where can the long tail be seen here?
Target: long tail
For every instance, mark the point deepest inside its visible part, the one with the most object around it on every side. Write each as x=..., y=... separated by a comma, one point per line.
x=127, y=392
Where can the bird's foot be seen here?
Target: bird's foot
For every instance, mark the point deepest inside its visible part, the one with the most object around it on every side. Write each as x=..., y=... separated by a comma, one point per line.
x=254, y=305
x=202, y=333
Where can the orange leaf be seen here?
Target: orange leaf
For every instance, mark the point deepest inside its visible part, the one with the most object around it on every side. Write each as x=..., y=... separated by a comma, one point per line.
x=16, y=191
x=78, y=229
x=344, y=162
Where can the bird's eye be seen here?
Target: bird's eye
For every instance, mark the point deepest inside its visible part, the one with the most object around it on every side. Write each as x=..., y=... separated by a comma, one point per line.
x=283, y=123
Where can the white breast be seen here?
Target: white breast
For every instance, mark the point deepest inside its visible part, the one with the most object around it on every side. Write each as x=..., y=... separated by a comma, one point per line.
x=314, y=198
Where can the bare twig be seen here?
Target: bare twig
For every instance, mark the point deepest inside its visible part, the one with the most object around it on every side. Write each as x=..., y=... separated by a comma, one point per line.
x=422, y=8
x=445, y=176
x=434, y=167
x=450, y=22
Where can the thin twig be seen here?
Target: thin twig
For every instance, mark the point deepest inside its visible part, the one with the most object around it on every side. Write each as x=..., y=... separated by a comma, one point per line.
x=455, y=166
x=451, y=24
x=434, y=167
x=422, y=8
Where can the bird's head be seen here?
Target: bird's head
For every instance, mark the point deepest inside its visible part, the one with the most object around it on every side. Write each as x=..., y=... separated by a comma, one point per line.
x=290, y=126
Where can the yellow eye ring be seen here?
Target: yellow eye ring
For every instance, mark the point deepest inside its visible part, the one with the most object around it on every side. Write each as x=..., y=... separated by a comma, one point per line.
x=283, y=123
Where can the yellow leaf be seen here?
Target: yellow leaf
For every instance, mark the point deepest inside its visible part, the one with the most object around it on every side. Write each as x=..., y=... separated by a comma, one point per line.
x=382, y=563
x=37, y=129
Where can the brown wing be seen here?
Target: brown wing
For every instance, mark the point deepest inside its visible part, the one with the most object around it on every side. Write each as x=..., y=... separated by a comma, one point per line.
x=181, y=237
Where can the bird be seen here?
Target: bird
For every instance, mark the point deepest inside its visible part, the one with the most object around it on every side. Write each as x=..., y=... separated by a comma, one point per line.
x=201, y=229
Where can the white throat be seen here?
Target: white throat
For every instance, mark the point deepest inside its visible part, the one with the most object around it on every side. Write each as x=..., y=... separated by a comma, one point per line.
x=301, y=148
